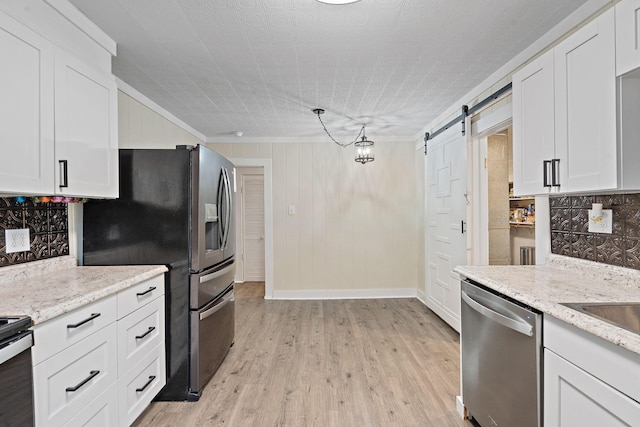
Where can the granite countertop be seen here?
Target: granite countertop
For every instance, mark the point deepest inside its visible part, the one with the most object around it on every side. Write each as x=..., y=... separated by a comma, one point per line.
x=566, y=280
x=49, y=288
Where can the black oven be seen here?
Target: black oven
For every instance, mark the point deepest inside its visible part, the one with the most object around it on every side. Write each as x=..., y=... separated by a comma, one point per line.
x=16, y=374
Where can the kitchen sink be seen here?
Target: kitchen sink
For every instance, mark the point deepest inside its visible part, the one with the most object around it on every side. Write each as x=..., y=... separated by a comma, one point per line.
x=625, y=315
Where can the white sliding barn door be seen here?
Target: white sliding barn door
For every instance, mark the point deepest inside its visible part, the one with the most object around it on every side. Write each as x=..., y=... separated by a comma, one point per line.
x=446, y=219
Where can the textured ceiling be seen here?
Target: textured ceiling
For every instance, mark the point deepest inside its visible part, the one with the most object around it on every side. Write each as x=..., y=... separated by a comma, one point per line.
x=260, y=66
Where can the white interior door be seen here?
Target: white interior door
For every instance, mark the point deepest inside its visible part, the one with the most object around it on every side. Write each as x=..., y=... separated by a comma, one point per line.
x=253, y=227
x=446, y=211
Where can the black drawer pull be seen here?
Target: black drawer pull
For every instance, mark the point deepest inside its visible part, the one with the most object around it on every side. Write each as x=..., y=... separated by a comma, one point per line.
x=151, y=289
x=88, y=319
x=91, y=376
x=151, y=329
x=141, y=389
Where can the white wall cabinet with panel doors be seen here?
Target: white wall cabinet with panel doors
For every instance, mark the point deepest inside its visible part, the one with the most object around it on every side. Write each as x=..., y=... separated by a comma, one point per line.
x=579, y=389
x=86, y=129
x=585, y=107
x=59, y=133
x=26, y=108
x=584, y=156
x=533, y=126
x=627, y=36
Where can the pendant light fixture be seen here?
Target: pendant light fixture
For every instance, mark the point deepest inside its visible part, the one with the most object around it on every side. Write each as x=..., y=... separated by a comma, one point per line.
x=364, y=146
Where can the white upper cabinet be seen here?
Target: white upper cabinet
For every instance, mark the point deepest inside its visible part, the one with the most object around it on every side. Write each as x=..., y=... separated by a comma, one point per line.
x=86, y=132
x=26, y=108
x=533, y=125
x=564, y=115
x=585, y=107
x=627, y=36
x=59, y=131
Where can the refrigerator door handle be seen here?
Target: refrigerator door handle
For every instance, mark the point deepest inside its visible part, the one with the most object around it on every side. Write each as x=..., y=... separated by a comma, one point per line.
x=217, y=274
x=213, y=310
x=221, y=230
x=227, y=189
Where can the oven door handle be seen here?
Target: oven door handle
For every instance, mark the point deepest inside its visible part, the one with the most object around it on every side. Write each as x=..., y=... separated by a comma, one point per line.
x=213, y=310
x=217, y=274
x=16, y=347
x=516, y=324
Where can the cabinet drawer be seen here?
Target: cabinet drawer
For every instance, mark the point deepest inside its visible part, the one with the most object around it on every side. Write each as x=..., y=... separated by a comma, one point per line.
x=67, y=382
x=140, y=385
x=139, y=333
x=138, y=295
x=102, y=412
x=59, y=333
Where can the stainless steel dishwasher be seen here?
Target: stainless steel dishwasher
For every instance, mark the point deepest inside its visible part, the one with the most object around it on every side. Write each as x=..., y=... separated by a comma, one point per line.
x=501, y=347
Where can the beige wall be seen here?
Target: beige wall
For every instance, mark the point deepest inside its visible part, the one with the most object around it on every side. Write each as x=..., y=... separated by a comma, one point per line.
x=356, y=231
x=356, y=227
x=141, y=127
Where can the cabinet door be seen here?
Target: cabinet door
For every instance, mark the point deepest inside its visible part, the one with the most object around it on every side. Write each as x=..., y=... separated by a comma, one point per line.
x=85, y=130
x=26, y=108
x=574, y=398
x=627, y=36
x=585, y=110
x=533, y=125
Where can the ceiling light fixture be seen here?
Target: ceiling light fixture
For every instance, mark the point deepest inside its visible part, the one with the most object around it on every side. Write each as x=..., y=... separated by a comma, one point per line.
x=338, y=1
x=364, y=146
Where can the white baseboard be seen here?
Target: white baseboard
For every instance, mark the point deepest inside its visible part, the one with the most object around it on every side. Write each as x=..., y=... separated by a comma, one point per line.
x=460, y=408
x=421, y=296
x=345, y=294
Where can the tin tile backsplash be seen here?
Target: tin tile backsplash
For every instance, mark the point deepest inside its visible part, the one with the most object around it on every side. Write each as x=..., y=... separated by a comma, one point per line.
x=48, y=229
x=570, y=234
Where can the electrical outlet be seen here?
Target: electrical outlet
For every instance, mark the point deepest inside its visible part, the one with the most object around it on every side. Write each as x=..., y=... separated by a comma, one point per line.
x=602, y=224
x=17, y=240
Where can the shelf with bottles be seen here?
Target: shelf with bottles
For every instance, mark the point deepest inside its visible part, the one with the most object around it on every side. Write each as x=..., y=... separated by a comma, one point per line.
x=522, y=210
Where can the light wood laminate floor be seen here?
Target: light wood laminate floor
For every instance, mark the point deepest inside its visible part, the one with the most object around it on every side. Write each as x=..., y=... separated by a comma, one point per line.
x=388, y=362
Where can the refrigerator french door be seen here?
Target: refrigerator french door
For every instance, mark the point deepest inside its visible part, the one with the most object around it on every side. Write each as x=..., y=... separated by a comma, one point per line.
x=175, y=208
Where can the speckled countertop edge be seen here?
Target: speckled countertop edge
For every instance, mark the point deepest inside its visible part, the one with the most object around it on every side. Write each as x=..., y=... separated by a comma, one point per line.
x=46, y=289
x=567, y=280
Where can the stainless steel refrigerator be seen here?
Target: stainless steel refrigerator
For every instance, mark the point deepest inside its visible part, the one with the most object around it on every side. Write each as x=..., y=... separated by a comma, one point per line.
x=176, y=208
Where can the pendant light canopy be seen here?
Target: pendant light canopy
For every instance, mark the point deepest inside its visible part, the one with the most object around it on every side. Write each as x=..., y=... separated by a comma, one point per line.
x=364, y=146
x=338, y=1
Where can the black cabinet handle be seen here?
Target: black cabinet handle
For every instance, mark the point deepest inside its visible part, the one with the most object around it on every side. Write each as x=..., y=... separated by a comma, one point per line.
x=141, y=389
x=88, y=319
x=91, y=376
x=151, y=289
x=555, y=172
x=545, y=173
x=64, y=178
x=151, y=329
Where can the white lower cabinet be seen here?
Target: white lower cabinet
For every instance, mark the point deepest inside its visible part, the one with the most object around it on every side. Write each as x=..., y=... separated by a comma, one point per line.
x=68, y=381
x=587, y=381
x=102, y=412
x=574, y=398
x=140, y=384
x=103, y=363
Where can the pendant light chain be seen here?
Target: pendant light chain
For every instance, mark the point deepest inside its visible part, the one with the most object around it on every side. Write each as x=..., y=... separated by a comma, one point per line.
x=364, y=146
x=327, y=131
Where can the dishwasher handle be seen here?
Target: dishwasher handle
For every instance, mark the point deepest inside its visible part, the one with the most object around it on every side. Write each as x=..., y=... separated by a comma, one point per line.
x=516, y=324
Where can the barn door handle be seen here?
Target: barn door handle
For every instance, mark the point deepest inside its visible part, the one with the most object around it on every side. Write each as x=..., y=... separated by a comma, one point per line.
x=463, y=226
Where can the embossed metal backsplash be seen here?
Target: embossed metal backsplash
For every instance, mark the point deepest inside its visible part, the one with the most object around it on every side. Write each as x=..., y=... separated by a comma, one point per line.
x=570, y=229
x=48, y=229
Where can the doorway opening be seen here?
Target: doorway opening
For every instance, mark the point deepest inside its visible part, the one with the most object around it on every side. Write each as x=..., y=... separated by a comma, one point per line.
x=250, y=239
x=511, y=220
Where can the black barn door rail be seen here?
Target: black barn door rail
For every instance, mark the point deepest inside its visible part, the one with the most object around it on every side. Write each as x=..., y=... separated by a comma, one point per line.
x=466, y=111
